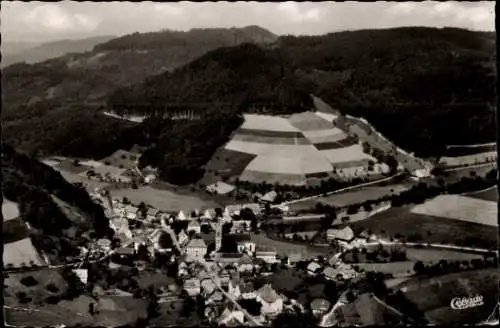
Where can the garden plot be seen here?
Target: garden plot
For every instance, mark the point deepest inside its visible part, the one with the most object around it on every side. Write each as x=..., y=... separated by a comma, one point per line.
x=460, y=208
x=10, y=210
x=268, y=123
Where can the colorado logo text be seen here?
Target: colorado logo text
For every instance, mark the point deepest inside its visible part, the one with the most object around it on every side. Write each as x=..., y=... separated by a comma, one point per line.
x=462, y=303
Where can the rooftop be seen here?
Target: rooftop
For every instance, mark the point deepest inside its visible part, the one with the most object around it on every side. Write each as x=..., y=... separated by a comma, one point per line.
x=343, y=234
x=268, y=294
x=197, y=243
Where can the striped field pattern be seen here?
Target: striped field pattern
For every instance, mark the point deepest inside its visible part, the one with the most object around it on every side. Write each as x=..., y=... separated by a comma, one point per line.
x=299, y=147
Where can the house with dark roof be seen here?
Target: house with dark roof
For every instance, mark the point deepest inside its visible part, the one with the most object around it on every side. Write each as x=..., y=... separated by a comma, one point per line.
x=228, y=258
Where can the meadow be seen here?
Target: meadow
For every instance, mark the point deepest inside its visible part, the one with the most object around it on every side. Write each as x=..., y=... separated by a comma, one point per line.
x=430, y=229
x=164, y=200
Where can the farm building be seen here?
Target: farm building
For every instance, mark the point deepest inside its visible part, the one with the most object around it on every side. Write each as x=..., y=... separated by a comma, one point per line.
x=268, y=256
x=313, y=268
x=194, y=226
x=320, y=306
x=220, y=188
x=269, y=197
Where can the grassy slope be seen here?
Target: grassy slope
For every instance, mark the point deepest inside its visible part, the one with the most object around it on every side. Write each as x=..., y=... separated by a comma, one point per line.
x=402, y=221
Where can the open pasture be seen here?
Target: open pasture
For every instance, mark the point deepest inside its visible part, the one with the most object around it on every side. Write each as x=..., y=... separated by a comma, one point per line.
x=14, y=230
x=473, y=159
x=325, y=136
x=323, y=107
x=395, y=268
x=456, y=151
x=122, y=159
x=308, y=121
x=460, y=208
x=21, y=252
x=351, y=153
x=164, y=200
x=428, y=255
x=268, y=123
x=430, y=229
x=291, y=164
x=284, y=248
x=271, y=140
x=348, y=141
x=490, y=194
x=10, y=210
x=90, y=185
x=281, y=178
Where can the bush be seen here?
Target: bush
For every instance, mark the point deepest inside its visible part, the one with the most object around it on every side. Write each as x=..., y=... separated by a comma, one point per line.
x=52, y=288
x=29, y=281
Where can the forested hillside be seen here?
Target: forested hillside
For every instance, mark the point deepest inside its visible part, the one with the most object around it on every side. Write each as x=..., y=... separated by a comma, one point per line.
x=33, y=184
x=421, y=87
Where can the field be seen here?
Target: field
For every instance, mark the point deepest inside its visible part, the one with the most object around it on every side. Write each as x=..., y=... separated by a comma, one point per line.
x=68, y=165
x=490, y=194
x=90, y=185
x=396, y=268
x=435, y=255
x=10, y=210
x=285, y=248
x=433, y=295
x=468, y=159
x=291, y=148
x=14, y=230
x=460, y=208
x=121, y=159
x=430, y=228
x=38, y=293
x=352, y=197
x=164, y=200
x=226, y=163
x=455, y=151
x=21, y=252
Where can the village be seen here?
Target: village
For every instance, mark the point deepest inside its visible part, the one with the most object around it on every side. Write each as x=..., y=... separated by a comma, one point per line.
x=218, y=260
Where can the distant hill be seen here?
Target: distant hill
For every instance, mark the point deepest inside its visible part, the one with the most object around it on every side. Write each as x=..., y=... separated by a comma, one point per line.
x=423, y=88
x=40, y=192
x=34, y=53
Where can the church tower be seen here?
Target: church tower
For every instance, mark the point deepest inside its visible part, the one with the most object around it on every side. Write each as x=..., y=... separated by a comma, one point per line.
x=218, y=235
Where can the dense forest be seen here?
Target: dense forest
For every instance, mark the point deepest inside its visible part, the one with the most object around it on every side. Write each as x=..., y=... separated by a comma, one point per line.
x=423, y=88
x=32, y=184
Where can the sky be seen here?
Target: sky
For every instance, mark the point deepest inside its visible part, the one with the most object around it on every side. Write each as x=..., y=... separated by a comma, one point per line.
x=45, y=21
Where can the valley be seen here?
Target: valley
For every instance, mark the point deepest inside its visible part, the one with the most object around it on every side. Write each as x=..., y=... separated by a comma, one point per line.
x=232, y=176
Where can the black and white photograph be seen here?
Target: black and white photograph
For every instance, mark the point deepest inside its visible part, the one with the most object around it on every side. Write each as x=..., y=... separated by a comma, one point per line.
x=261, y=164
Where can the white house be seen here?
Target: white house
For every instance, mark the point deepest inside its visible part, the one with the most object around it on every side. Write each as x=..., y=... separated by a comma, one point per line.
x=313, y=268
x=207, y=215
x=194, y=226
x=272, y=303
x=196, y=248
